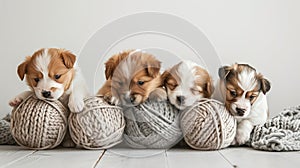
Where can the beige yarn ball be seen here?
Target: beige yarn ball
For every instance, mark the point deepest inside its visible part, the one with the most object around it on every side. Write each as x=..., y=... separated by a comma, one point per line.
x=152, y=125
x=208, y=125
x=99, y=126
x=39, y=124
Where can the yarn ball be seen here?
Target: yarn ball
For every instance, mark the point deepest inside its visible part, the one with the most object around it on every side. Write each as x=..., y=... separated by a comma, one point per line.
x=99, y=126
x=152, y=125
x=208, y=125
x=39, y=124
x=5, y=134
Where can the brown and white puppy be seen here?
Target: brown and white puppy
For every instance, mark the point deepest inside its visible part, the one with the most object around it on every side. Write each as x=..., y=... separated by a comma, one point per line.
x=52, y=74
x=244, y=92
x=186, y=83
x=131, y=78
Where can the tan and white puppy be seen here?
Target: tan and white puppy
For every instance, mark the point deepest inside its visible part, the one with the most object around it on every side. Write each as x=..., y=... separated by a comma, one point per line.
x=186, y=83
x=131, y=78
x=53, y=74
x=244, y=92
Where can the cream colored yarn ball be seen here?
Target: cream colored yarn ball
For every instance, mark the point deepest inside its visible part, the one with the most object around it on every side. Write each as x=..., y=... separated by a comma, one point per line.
x=99, y=126
x=39, y=124
x=208, y=125
x=152, y=125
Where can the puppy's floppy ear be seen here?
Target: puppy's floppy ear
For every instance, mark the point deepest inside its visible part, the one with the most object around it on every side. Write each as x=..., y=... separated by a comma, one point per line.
x=113, y=62
x=209, y=88
x=224, y=71
x=22, y=68
x=265, y=85
x=110, y=67
x=153, y=67
x=164, y=76
x=68, y=58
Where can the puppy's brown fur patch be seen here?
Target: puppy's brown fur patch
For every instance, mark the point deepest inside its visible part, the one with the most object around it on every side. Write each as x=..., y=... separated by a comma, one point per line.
x=61, y=63
x=137, y=72
x=204, y=84
x=229, y=75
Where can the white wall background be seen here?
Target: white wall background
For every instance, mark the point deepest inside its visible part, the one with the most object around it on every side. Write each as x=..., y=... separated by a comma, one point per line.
x=263, y=33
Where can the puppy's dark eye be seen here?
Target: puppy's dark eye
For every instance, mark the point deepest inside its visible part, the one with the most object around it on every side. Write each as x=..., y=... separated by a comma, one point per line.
x=140, y=83
x=172, y=86
x=36, y=80
x=233, y=93
x=57, y=76
x=252, y=97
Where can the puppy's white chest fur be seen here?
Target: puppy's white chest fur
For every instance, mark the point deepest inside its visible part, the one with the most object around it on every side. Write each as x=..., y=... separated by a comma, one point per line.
x=259, y=111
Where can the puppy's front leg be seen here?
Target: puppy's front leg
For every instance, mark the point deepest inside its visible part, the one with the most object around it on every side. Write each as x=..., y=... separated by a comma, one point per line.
x=76, y=103
x=243, y=132
x=159, y=94
x=19, y=98
x=106, y=92
x=78, y=93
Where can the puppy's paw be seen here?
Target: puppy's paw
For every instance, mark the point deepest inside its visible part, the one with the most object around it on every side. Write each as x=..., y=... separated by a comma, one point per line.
x=241, y=138
x=15, y=101
x=159, y=94
x=114, y=101
x=75, y=104
x=111, y=99
x=233, y=143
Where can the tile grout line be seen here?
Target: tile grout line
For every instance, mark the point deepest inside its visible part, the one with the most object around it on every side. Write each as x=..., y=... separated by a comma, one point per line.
x=233, y=165
x=166, y=159
x=20, y=158
x=100, y=157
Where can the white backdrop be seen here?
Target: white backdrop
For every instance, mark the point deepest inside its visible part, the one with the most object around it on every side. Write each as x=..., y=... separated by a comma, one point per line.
x=263, y=33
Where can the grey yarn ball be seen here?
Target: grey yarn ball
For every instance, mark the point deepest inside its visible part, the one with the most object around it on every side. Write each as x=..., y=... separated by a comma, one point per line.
x=5, y=134
x=208, y=125
x=99, y=126
x=39, y=124
x=152, y=125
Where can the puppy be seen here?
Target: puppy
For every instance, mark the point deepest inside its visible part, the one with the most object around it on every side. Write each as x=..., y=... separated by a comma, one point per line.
x=244, y=92
x=186, y=83
x=131, y=78
x=52, y=74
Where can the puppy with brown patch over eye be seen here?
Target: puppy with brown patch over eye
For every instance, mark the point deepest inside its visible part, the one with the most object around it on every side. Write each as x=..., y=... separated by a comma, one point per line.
x=52, y=74
x=244, y=92
x=186, y=83
x=131, y=78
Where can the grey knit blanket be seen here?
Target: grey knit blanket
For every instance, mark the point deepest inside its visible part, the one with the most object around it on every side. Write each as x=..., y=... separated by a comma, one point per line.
x=5, y=134
x=280, y=133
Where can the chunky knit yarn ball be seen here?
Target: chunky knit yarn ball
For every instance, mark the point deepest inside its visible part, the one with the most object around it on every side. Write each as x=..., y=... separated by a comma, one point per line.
x=5, y=134
x=208, y=125
x=39, y=124
x=152, y=125
x=98, y=126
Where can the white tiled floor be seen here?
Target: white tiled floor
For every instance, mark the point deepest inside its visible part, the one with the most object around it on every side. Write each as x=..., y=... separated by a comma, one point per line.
x=241, y=157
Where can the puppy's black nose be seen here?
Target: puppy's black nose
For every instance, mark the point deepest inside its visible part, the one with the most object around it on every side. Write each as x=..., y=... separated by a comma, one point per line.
x=46, y=94
x=240, y=111
x=180, y=99
x=132, y=99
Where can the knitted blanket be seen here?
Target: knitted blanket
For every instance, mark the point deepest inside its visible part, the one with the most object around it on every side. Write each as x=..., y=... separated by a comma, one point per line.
x=5, y=134
x=281, y=133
